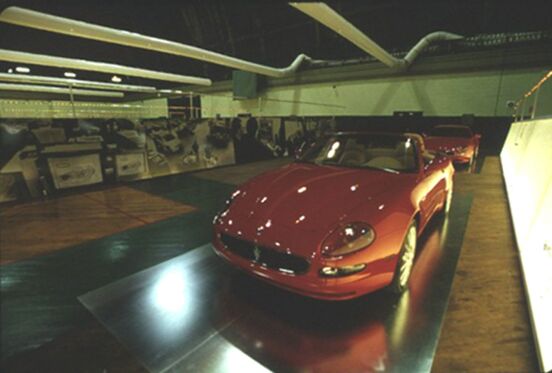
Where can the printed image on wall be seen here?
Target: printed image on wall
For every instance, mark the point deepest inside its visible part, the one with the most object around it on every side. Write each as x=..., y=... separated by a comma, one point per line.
x=177, y=146
x=58, y=154
x=75, y=171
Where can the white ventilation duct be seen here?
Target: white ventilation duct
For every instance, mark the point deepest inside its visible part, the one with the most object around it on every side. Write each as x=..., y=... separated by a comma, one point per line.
x=58, y=90
x=104, y=67
x=333, y=20
x=47, y=22
x=34, y=79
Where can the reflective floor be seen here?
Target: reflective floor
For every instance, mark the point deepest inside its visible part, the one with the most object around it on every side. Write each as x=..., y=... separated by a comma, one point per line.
x=196, y=313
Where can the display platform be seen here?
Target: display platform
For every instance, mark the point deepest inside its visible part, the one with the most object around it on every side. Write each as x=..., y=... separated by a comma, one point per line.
x=196, y=313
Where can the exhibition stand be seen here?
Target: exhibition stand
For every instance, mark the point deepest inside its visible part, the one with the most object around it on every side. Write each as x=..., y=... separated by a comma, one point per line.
x=196, y=313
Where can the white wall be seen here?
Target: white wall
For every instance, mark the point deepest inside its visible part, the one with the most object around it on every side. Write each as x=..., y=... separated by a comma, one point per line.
x=480, y=93
x=527, y=166
x=63, y=109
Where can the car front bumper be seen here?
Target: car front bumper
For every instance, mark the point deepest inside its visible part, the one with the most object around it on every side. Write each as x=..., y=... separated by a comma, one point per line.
x=374, y=276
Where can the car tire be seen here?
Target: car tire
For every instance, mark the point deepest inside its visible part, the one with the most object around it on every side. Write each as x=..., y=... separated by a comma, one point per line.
x=405, y=263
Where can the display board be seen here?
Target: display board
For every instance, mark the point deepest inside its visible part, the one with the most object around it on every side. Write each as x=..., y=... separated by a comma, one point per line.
x=70, y=172
x=126, y=149
x=130, y=164
x=527, y=166
x=12, y=187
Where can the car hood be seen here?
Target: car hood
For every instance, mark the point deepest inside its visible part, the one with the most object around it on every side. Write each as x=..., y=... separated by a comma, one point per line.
x=444, y=143
x=308, y=197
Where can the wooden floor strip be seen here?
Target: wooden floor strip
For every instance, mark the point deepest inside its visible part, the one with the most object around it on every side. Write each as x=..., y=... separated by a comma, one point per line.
x=486, y=327
x=42, y=227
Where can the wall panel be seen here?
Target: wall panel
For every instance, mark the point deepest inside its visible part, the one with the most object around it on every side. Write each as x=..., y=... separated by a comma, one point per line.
x=527, y=166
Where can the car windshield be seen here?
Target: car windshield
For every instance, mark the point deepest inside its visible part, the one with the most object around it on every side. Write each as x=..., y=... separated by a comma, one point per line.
x=392, y=153
x=451, y=132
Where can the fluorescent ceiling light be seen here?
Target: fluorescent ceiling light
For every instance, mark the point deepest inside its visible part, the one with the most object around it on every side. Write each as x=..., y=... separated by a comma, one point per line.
x=22, y=69
x=333, y=20
x=71, y=63
x=172, y=91
x=69, y=74
x=58, y=90
x=67, y=26
x=17, y=78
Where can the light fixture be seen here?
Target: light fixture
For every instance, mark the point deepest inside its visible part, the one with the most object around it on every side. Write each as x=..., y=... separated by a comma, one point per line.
x=10, y=71
x=116, y=79
x=42, y=21
x=58, y=90
x=69, y=74
x=72, y=63
x=35, y=79
x=22, y=69
x=172, y=91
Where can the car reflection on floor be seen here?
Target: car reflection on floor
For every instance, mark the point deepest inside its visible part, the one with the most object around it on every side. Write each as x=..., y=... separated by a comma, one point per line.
x=196, y=313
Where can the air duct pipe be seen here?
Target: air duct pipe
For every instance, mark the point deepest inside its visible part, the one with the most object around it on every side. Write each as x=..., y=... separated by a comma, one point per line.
x=425, y=42
x=34, y=79
x=47, y=22
x=58, y=90
x=71, y=63
x=333, y=20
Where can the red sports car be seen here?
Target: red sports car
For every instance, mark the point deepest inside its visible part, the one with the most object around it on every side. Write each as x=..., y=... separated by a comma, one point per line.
x=456, y=141
x=341, y=221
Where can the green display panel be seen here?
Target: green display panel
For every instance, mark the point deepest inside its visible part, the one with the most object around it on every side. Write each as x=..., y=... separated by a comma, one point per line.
x=244, y=84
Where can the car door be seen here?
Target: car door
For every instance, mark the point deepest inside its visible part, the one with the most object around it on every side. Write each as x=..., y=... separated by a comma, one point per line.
x=431, y=188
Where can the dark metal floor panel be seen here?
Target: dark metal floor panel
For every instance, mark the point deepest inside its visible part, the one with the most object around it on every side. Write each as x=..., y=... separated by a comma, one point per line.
x=195, y=313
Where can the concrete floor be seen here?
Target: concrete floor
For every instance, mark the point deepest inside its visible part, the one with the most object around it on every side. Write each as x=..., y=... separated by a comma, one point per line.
x=133, y=227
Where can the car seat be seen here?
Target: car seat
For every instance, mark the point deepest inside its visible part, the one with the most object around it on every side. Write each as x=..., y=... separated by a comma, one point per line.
x=353, y=156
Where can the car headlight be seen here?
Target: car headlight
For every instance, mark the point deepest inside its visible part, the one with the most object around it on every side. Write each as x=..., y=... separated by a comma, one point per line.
x=347, y=239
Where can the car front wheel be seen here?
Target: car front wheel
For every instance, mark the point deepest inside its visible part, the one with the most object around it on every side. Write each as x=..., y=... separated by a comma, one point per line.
x=406, y=261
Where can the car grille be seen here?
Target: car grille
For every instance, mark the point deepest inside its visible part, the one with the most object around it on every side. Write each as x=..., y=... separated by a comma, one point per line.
x=265, y=256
